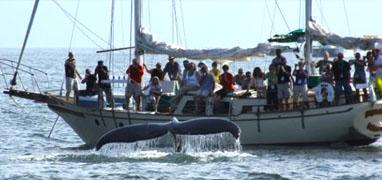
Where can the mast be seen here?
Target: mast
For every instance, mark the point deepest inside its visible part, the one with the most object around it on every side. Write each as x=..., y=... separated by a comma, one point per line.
x=308, y=39
x=13, y=81
x=137, y=33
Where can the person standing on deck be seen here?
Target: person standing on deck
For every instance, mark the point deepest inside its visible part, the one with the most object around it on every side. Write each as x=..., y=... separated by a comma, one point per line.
x=172, y=69
x=283, y=85
x=215, y=72
x=341, y=70
x=155, y=72
x=271, y=77
x=359, y=76
x=324, y=62
x=279, y=59
x=70, y=77
x=300, y=87
x=103, y=74
x=133, y=88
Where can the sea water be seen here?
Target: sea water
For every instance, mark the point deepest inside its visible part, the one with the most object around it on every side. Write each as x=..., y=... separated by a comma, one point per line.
x=27, y=153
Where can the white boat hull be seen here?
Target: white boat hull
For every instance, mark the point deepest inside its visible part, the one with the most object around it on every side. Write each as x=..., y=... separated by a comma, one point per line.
x=322, y=125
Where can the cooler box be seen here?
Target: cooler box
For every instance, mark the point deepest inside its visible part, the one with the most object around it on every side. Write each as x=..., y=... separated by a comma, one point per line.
x=313, y=81
x=88, y=101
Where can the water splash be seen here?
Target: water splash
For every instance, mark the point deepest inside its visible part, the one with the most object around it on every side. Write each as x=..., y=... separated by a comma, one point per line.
x=208, y=143
x=223, y=142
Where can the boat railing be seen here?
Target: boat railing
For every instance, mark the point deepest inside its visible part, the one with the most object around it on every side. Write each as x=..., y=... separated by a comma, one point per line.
x=30, y=78
x=233, y=106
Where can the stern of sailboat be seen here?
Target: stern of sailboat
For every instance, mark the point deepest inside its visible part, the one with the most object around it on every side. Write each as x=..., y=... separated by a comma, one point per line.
x=368, y=121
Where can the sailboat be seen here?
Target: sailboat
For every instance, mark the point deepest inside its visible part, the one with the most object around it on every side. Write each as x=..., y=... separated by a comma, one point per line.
x=356, y=124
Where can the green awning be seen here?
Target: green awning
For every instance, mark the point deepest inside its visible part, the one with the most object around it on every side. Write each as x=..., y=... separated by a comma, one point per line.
x=294, y=36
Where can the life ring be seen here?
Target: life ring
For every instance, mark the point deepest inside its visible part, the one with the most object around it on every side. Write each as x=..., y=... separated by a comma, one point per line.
x=321, y=88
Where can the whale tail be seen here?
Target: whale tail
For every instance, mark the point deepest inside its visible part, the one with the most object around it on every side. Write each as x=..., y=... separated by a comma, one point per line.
x=200, y=126
x=132, y=133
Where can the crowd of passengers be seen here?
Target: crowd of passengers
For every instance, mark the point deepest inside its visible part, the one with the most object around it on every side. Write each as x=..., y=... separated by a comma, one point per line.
x=278, y=85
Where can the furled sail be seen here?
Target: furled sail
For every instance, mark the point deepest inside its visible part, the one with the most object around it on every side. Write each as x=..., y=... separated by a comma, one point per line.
x=152, y=46
x=327, y=38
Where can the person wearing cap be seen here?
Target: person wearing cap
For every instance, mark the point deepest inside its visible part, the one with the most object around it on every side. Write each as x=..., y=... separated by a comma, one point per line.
x=103, y=74
x=70, y=77
x=300, y=87
x=239, y=77
x=172, y=69
x=155, y=72
x=91, y=84
x=133, y=88
x=207, y=86
x=215, y=72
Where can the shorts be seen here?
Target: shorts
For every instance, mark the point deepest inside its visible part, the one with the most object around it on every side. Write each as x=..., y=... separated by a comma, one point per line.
x=133, y=89
x=283, y=91
x=71, y=84
x=300, y=90
x=203, y=93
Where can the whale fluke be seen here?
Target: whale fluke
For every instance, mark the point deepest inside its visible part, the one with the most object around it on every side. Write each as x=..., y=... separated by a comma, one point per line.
x=132, y=133
x=137, y=132
x=203, y=126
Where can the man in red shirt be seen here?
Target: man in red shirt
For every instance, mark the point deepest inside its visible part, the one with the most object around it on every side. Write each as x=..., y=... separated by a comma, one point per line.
x=133, y=88
x=227, y=81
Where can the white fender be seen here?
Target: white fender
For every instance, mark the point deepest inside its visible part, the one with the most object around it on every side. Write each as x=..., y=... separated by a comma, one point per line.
x=328, y=87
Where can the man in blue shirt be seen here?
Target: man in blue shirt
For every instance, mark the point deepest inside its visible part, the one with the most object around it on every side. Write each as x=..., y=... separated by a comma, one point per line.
x=207, y=86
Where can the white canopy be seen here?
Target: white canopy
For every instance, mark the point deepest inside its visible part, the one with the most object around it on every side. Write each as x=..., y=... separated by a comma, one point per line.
x=328, y=38
x=152, y=46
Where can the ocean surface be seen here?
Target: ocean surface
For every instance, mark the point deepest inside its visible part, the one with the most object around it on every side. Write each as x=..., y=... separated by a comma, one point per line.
x=26, y=152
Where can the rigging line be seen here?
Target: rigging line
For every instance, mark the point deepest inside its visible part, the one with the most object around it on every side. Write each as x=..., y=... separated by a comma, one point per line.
x=74, y=26
x=346, y=15
x=184, y=29
x=71, y=17
x=13, y=81
x=86, y=35
x=273, y=21
x=111, y=37
x=323, y=19
x=282, y=15
x=175, y=23
x=175, y=18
